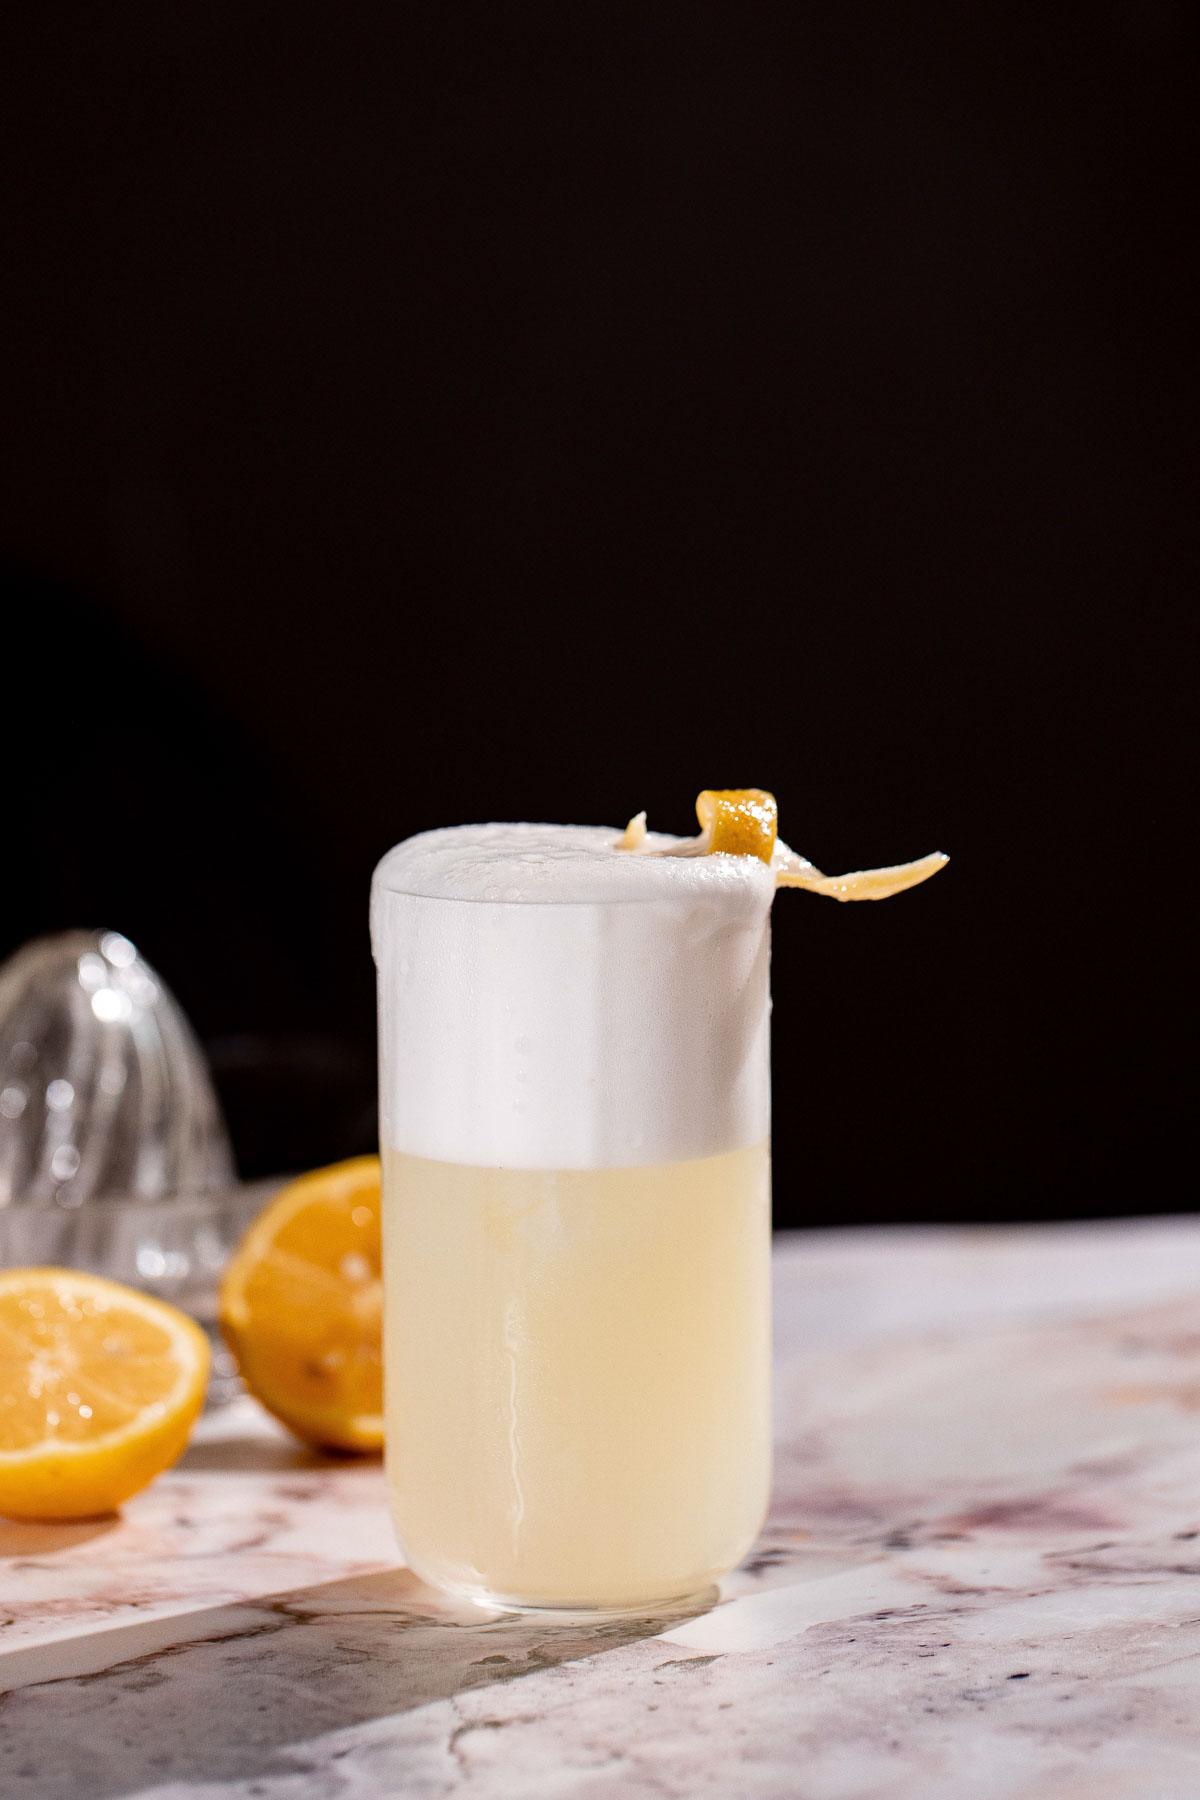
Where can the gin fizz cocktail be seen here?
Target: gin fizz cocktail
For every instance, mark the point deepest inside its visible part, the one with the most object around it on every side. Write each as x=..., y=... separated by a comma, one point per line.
x=574, y=1126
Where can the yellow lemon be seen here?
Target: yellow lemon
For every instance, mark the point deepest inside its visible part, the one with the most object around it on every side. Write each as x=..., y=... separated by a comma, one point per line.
x=99, y=1387
x=302, y=1305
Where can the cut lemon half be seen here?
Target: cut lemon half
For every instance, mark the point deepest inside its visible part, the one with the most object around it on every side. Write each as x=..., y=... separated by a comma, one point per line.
x=302, y=1306
x=99, y=1387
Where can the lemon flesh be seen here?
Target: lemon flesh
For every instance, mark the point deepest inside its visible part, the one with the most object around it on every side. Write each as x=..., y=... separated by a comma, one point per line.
x=301, y=1307
x=99, y=1388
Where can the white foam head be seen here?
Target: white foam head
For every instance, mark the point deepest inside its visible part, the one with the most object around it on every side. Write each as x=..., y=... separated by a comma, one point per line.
x=549, y=1001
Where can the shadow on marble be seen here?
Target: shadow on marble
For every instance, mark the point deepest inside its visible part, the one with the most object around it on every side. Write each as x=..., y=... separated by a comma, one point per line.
x=275, y=1673
x=242, y=1455
x=42, y=1538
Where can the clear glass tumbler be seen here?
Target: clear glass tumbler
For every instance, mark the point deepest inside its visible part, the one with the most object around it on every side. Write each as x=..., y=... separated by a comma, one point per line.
x=574, y=1086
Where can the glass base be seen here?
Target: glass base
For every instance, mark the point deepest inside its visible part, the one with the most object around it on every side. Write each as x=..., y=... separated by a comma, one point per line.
x=696, y=1598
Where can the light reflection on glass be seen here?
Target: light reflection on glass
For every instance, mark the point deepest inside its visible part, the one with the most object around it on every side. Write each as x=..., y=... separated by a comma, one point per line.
x=110, y=1004
x=93, y=972
x=64, y=1162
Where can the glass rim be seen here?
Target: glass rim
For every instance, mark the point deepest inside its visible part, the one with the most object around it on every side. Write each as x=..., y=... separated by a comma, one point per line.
x=611, y=900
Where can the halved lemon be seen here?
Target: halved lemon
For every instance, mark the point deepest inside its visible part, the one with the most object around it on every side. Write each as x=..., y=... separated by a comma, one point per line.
x=99, y=1386
x=302, y=1306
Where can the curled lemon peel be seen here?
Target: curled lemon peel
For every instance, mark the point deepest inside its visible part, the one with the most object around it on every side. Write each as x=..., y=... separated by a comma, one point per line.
x=737, y=822
x=635, y=833
x=860, y=884
x=743, y=822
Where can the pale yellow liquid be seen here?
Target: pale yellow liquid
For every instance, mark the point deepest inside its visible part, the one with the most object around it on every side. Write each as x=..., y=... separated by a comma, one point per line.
x=577, y=1370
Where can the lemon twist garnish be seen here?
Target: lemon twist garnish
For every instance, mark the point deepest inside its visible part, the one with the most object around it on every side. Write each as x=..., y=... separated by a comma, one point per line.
x=742, y=822
x=861, y=884
x=737, y=822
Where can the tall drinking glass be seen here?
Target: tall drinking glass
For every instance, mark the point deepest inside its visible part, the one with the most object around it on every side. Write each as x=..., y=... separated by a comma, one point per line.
x=575, y=1099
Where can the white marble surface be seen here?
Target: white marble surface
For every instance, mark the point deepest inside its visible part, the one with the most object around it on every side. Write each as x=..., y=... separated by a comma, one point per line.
x=980, y=1580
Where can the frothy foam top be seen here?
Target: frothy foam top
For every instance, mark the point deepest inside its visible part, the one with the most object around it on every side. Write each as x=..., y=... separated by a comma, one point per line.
x=547, y=1001
x=561, y=863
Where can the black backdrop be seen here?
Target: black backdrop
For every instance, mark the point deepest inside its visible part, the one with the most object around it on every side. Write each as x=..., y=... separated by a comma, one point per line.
x=414, y=414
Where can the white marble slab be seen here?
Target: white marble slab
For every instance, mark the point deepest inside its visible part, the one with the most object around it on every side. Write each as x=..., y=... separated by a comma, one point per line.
x=981, y=1578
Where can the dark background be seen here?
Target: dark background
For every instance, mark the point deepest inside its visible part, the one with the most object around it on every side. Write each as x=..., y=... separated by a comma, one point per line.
x=421, y=414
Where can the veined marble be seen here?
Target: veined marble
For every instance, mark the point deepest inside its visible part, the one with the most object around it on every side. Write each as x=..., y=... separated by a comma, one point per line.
x=980, y=1579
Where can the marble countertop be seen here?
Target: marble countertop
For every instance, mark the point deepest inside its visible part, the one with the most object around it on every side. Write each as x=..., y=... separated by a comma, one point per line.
x=980, y=1579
